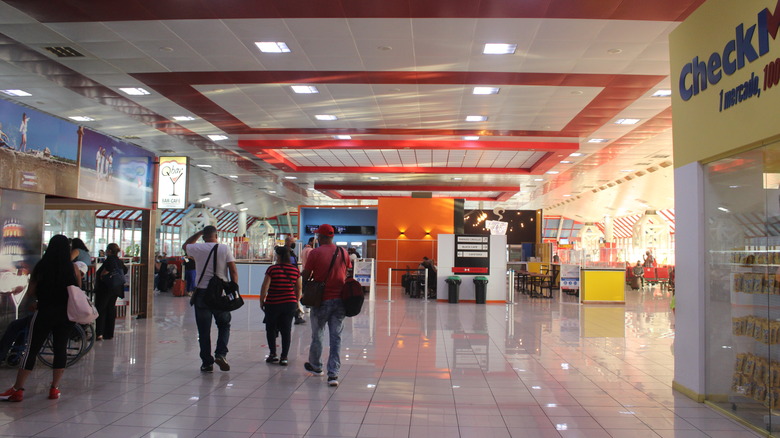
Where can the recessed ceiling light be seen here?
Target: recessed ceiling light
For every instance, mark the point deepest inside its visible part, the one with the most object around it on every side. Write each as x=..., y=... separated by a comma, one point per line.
x=566, y=196
x=272, y=191
x=232, y=176
x=205, y=166
x=662, y=93
x=342, y=137
x=538, y=179
x=499, y=49
x=183, y=118
x=576, y=154
x=373, y=177
x=325, y=117
x=553, y=172
x=134, y=91
x=733, y=187
x=17, y=93
x=217, y=137
x=272, y=47
x=723, y=209
x=598, y=140
x=243, y=209
x=225, y=205
x=82, y=119
x=305, y=89
x=471, y=138
x=457, y=178
x=290, y=177
x=485, y=90
x=203, y=199
x=476, y=118
x=626, y=170
x=627, y=121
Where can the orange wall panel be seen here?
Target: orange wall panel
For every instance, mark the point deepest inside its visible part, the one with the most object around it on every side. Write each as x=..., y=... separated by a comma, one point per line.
x=421, y=220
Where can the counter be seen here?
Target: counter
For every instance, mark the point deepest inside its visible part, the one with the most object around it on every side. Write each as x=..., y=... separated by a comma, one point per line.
x=602, y=285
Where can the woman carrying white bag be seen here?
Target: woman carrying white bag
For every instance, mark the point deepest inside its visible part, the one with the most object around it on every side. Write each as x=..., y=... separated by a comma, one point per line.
x=49, y=283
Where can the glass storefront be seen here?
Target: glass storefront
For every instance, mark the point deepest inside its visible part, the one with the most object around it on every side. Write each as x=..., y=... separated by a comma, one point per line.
x=742, y=209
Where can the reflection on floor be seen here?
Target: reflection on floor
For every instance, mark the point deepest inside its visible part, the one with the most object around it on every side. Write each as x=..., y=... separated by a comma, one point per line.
x=539, y=368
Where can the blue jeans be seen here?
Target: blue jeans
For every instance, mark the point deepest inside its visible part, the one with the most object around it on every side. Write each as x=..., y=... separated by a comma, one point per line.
x=331, y=312
x=203, y=315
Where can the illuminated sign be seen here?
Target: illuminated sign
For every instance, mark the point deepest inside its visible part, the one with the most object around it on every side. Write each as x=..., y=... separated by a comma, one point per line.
x=737, y=53
x=172, y=182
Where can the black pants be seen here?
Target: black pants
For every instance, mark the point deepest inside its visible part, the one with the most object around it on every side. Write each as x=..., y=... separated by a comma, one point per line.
x=44, y=323
x=105, y=302
x=279, y=319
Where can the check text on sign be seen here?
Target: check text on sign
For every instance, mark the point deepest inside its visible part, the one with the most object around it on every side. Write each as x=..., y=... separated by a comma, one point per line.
x=465, y=246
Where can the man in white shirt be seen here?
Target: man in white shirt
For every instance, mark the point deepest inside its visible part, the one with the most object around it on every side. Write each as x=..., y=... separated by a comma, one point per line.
x=203, y=314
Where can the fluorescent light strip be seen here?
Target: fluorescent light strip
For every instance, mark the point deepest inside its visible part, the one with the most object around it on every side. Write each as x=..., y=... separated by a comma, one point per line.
x=272, y=47
x=134, y=91
x=217, y=137
x=183, y=118
x=203, y=200
x=662, y=93
x=499, y=49
x=485, y=90
x=476, y=118
x=598, y=140
x=205, y=166
x=225, y=205
x=82, y=119
x=304, y=89
x=326, y=117
x=17, y=93
x=342, y=137
x=471, y=138
x=627, y=121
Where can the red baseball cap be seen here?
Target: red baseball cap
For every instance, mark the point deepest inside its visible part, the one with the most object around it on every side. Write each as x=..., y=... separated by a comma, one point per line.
x=325, y=230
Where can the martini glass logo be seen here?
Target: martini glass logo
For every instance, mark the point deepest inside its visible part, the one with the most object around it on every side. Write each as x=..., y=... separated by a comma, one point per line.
x=173, y=170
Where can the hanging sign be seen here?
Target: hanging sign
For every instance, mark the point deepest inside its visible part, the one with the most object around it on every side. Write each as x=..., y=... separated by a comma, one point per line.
x=172, y=182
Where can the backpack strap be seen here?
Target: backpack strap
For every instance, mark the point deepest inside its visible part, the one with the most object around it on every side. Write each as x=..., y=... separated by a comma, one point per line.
x=214, y=253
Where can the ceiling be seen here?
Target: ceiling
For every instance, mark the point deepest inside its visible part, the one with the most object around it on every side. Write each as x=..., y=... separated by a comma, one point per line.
x=397, y=79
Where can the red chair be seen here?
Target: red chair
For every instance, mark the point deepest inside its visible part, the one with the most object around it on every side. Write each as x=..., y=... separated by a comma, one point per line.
x=662, y=274
x=651, y=276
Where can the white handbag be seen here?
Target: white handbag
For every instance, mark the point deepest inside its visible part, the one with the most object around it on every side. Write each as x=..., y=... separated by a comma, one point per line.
x=80, y=309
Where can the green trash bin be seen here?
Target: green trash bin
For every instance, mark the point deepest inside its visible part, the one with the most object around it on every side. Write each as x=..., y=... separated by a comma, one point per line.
x=480, y=289
x=453, y=288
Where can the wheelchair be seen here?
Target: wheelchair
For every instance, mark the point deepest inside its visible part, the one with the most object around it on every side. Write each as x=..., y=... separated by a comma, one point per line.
x=80, y=341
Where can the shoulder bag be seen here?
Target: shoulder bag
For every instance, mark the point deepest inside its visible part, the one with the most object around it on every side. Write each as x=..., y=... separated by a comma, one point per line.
x=80, y=309
x=314, y=290
x=220, y=294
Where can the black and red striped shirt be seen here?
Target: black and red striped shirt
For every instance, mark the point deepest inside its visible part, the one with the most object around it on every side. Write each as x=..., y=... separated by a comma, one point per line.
x=282, y=287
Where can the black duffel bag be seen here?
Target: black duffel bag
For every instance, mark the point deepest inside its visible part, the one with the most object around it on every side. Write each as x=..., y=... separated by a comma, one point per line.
x=220, y=294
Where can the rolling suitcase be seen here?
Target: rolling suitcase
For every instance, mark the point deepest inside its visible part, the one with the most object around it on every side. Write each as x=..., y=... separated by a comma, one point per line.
x=179, y=288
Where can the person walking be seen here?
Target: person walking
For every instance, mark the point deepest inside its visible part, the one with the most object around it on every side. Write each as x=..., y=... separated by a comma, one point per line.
x=279, y=300
x=106, y=294
x=203, y=254
x=328, y=263
x=49, y=282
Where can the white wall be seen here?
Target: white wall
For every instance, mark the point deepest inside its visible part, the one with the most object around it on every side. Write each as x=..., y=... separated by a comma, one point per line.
x=690, y=246
x=445, y=258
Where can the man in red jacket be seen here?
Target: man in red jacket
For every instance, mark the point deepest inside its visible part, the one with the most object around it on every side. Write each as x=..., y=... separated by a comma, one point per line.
x=328, y=264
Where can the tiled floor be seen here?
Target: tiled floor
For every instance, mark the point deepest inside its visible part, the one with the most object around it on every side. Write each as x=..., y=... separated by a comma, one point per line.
x=539, y=368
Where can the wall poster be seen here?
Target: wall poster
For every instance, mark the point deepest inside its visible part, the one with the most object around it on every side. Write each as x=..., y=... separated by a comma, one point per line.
x=472, y=255
x=38, y=152
x=172, y=182
x=115, y=172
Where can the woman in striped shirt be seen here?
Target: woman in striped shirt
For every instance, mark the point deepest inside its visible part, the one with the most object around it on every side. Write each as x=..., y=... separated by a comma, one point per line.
x=279, y=300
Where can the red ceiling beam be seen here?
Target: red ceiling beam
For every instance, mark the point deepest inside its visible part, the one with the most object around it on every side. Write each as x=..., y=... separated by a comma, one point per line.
x=264, y=145
x=413, y=188
x=413, y=169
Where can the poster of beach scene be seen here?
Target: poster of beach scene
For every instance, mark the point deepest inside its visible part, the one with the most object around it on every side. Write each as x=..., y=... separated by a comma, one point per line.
x=114, y=171
x=38, y=152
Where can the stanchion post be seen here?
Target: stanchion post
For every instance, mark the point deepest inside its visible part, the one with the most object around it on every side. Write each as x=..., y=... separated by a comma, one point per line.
x=510, y=299
x=425, y=292
x=389, y=283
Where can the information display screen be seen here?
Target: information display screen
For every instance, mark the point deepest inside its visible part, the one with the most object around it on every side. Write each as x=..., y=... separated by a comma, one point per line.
x=472, y=255
x=365, y=230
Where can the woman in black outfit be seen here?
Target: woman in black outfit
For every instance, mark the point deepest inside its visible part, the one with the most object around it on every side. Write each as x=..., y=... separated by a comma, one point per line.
x=105, y=296
x=49, y=283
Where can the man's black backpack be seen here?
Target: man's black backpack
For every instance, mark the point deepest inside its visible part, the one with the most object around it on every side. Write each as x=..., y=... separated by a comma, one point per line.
x=352, y=296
